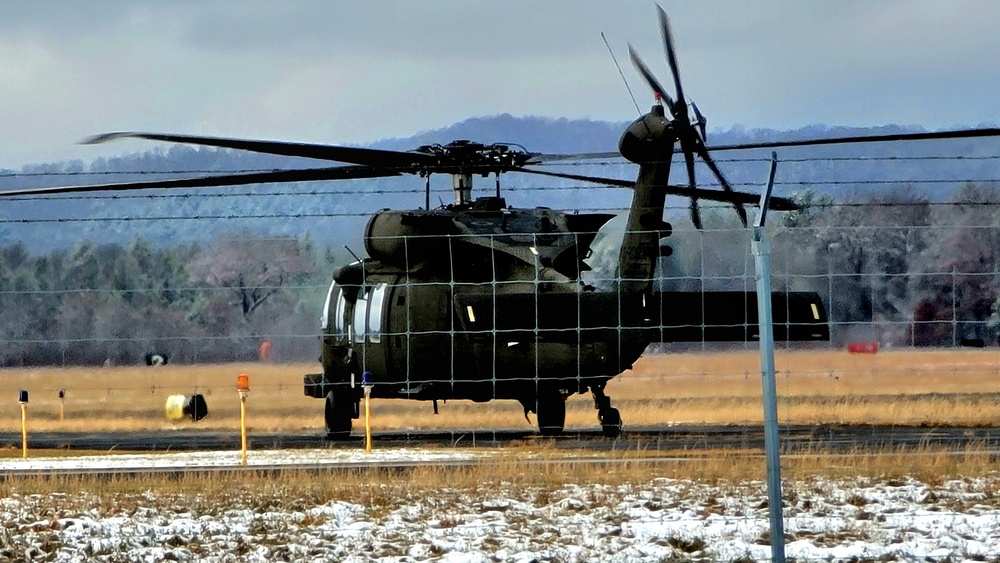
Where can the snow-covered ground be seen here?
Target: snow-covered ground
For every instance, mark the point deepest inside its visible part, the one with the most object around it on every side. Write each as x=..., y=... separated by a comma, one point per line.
x=267, y=458
x=663, y=519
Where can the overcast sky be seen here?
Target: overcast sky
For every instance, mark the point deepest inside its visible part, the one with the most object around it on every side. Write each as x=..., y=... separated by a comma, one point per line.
x=355, y=72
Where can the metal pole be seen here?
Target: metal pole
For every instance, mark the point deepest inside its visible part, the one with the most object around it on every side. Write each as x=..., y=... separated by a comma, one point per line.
x=762, y=261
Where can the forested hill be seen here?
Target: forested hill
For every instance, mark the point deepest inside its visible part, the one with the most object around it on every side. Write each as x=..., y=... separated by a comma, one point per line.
x=334, y=213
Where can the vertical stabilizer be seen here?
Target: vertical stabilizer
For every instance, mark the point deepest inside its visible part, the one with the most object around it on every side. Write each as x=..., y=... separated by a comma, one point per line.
x=649, y=142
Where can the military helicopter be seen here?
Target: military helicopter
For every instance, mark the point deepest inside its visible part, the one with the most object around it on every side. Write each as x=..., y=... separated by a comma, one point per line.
x=478, y=300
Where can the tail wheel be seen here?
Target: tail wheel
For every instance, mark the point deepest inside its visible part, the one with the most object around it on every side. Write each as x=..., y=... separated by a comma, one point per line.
x=338, y=413
x=611, y=422
x=550, y=408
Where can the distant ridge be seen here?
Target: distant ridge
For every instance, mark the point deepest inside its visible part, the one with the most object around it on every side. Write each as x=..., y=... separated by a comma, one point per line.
x=842, y=171
x=563, y=135
x=537, y=134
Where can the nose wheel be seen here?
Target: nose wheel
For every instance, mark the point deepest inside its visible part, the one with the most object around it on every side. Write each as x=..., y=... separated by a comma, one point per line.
x=340, y=409
x=611, y=419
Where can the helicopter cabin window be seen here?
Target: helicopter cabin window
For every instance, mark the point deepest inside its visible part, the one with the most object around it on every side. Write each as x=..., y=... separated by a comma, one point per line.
x=375, y=312
x=360, y=311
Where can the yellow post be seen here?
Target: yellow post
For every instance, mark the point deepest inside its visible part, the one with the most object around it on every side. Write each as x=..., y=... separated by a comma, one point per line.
x=243, y=388
x=22, y=398
x=243, y=428
x=368, y=421
x=24, y=430
x=62, y=405
x=366, y=383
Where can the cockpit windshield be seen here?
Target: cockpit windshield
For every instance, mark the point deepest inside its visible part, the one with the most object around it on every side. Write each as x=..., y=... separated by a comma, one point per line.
x=335, y=307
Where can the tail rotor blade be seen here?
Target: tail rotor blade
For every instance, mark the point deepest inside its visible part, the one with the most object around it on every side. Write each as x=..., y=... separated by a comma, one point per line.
x=695, y=214
x=654, y=84
x=686, y=146
x=702, y=122
x=707, y=159
x=668, y=45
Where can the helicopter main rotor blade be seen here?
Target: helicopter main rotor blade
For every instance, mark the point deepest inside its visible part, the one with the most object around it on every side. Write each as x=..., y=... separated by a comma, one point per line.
x=583, y=178
x=352, y=155
x=776, y=203
x=275, y=176
x=539, y=158
x=950, y=134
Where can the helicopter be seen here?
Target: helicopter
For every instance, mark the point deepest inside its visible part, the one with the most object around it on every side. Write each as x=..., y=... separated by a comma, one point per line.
x=481, y=301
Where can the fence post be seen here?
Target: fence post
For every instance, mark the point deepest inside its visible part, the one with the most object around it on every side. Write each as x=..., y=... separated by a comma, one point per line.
x=954, y=310
x=762, y=260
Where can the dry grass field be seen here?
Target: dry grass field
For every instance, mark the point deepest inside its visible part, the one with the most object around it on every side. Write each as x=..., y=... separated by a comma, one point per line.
x=893, y=387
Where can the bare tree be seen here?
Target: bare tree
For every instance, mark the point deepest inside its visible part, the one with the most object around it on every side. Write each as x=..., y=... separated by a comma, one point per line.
x=959, y=280
x=253, y=269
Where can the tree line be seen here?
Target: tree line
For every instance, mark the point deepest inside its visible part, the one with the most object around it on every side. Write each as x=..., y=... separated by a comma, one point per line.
x=107, y=303
x=902, y=269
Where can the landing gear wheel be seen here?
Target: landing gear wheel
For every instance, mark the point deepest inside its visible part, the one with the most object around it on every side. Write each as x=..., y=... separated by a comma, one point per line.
x=551, y=412
x=338, y=412
x=611, y=422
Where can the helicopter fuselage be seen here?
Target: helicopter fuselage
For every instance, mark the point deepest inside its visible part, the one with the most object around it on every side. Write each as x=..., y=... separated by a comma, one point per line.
x=480, y=301
x=438, y=340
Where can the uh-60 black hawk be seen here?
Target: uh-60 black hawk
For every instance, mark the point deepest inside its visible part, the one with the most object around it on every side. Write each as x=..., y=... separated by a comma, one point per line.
x=478, y=300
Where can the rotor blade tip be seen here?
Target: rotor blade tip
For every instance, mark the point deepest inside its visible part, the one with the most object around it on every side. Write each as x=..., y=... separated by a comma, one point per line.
x=104, y=137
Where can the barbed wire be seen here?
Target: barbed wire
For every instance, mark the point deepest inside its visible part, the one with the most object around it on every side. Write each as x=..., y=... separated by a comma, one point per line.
x=615, y=210
x=746, y=277
x=97, y=196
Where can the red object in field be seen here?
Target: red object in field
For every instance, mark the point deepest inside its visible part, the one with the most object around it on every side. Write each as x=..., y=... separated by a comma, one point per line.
x=265, y=351
x=863, y=347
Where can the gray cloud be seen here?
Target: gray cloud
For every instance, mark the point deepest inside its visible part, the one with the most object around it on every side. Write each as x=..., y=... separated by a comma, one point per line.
x=359, y=71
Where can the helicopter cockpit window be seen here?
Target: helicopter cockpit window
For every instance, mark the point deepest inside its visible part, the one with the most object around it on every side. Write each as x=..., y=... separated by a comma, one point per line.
x=335, y=307
x=324, y=320
x=339, y=320
x=377, y=298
